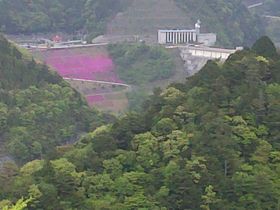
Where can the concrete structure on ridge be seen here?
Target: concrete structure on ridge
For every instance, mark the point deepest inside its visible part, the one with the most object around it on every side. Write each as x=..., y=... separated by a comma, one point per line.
x=183, y=36
x=177, y=36
x=207, y=52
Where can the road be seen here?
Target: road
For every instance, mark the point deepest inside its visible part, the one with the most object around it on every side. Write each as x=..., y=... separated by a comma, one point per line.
x=60, y=47
x=255, y=5
x=98, y=81
x=272, y=17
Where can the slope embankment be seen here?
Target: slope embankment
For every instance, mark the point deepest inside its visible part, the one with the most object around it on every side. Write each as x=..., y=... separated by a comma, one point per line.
x=91, y=71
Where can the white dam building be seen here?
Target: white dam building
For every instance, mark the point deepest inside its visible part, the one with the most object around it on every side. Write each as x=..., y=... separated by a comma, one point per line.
x=177, y=36
x=183, y=36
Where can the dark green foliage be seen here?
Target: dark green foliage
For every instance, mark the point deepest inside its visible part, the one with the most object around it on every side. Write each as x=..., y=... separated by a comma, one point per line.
x=210, y=143
x=136, y=98
x=270, y=9
x=231, y=20
x=17, y=74
x=140, y=64
x=38, y=109
x=17, y=16
x=143, y=67
x=265, y=47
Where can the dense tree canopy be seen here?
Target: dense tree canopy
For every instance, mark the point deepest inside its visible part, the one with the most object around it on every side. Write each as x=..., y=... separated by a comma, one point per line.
x=265, y=47
x=140, y=64
x=229, y=19
x=27, y=16
x=269, y=11
x=35, y=100
x=210, y=143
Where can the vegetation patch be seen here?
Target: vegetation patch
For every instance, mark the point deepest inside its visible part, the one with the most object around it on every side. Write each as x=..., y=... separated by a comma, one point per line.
x=17, y=16
x=140, y=64
x=38, y=110
x=230, y=20
x=209, y=143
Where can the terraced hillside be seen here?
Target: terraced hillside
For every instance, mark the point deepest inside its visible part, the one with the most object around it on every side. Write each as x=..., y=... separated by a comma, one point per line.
x=105, y=78
x=91, y=71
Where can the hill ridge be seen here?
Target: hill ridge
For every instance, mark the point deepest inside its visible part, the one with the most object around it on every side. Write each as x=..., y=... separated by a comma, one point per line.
x=145, y=17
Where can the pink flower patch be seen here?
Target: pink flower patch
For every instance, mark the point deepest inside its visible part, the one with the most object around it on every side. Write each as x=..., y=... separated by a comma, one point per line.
x=93, y=99
x=81, y=66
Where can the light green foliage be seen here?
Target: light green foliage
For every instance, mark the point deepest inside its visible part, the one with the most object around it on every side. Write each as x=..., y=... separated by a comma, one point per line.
x=66, y=180
x=146, y=146
x=31, y=167
x=139, y=201
x=209, y=198
x=38, y=110
x=176, y=145
x=20, y=205
x=172, y=95
x=262, y=152
x=102, y=140
x=194, y=167
x=98, y=184
x=113, y=167
x=3, y=117
x=210, y=143
x=262, y=59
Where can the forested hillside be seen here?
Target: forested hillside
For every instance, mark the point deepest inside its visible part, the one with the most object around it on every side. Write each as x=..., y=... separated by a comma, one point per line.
x=210, y=143
x=272, y=8
x=269, y=7
x=38, y=110
x=144, y=67
x=141, y=64
x=27, y=16
x=229, y=19
x=270, y=13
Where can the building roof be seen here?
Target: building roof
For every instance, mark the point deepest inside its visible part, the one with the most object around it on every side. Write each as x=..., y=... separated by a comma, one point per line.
x=176, y=30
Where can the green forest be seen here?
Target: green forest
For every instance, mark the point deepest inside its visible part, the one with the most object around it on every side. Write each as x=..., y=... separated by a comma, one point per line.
x=233, y=23
x=231, y=20
x=272, y=23
x=33, y=16
x=270, y=7
x=35, y=100
x=207, y=144
x=141, y=64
